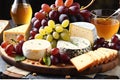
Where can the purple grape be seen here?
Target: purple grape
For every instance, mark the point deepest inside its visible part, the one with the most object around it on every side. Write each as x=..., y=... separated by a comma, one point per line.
x=79, y=17
x=76, y=4
x=54, y=60
x=118, y=45
x=73, y=18
x=42, y=11
x=99, y=41
x=53, y=7
x=54, y=15
x=64, y=58
x=115, y=39
x=18, y=48
x=96, y=46
x=10, y=49
x=105, y=44
x=73, y=10
x=37, y=24
x=33, y=33
x=44, y=22
x=86, y=14
x=33, y=20
x=35, y=29
x=57, y=56
x=63, y=10
x=113, y=46
x=62, y=17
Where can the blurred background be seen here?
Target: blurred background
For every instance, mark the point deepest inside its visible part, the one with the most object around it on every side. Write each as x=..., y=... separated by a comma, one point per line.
x=5, y=5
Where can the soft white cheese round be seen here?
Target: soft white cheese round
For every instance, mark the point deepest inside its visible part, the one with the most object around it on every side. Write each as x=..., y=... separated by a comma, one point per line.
x=36, y=49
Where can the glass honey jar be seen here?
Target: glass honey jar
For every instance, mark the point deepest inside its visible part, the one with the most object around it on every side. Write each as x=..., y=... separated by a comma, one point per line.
x=21, y=12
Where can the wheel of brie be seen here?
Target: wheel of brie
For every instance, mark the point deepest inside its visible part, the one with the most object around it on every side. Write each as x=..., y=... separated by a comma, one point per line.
x=75, y=47
x=36, y=49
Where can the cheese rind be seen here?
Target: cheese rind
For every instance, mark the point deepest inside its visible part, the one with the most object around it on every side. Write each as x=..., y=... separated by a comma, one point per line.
x=83, y=29
x=11, y=34
x=36, y=49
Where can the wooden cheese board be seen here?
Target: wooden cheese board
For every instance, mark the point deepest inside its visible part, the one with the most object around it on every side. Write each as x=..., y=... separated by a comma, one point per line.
x=61, y=69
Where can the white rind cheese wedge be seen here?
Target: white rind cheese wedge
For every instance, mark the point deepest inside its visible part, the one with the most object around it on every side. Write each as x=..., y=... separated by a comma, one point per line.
x=75, y=47
x=83, y=29
x=36, y=49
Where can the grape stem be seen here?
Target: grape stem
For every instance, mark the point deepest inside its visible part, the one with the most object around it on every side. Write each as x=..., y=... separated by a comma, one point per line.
x=13, y=40
x=87, y=5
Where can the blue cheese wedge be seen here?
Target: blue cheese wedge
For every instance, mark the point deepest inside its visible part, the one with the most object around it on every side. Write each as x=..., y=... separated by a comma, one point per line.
x=84, y=30
x=75, y=47
x=36, y=49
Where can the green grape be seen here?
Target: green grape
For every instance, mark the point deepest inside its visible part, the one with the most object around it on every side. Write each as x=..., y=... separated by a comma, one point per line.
x=54, y=43
x=59, y=28
x=51, y=23
x=65, y=23
x=42, y=31
x=66, y=30
x=65, y=36
x=38, y=36
x=55, y=35
x=57, y=24
x=44, y=37
x=48, y=29
x=49, y=37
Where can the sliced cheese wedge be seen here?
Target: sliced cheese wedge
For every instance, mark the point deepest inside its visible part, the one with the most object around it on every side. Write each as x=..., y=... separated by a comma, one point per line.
x=11, y=34
x=36, y=49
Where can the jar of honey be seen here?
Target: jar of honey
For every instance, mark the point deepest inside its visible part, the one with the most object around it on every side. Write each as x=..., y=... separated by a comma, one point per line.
x=21, y=12
x=106, y=27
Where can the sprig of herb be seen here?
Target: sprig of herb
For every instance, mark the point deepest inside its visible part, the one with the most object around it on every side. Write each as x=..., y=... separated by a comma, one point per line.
x=19, y=58
x=47, y=60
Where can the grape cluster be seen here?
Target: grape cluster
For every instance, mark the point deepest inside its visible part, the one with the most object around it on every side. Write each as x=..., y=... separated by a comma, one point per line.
x=11, y=49
x=58, y=12
x=114, y=43
x=53, y=32
x=56, y=57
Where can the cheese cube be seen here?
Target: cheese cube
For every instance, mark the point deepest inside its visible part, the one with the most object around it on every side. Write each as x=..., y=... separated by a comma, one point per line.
x=4, y=25
x=11, y=34
x=83, y=29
